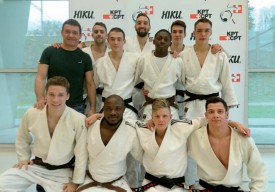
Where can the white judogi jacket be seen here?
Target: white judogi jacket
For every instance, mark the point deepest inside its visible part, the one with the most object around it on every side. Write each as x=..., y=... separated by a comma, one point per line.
x=107, y=163
x=120, y=82
x=159, y=83
x=89, y=51
x=68, y=140
x=170, y=158
x=242, y=151
x=214, y=76
x=132, y=45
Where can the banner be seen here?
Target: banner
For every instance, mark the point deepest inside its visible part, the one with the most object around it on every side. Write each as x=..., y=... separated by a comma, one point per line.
x=229, y=28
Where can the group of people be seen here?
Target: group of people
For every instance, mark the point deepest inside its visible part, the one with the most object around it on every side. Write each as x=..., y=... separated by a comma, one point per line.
x=133, y=80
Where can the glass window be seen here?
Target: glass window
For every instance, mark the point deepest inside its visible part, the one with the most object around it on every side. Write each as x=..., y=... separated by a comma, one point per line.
x=30, y=26
x=261, y=77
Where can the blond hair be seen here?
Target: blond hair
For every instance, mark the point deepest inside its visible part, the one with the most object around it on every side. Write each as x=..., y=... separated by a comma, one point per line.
x=159, y=104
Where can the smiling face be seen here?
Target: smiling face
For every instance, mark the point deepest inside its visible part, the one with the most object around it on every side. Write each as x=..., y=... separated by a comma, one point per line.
x=56, y=97
x=71, y=35
x=216, y=115
x=142, y=26
x=99, y=34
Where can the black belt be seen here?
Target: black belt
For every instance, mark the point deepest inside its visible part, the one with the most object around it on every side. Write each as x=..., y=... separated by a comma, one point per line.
x=180, y=92
x=99, y=90
x=39, y=161
x=218, y=188
x=126, y=103
x=164, y=181
x=139, y=85
x=199, y=97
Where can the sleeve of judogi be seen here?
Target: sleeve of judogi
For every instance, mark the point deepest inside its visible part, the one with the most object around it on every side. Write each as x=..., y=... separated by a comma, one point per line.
x=194, y=124
x=136, y=151
x=23, y=140
x=228, y=92
x=255, y=166
x=80, y=151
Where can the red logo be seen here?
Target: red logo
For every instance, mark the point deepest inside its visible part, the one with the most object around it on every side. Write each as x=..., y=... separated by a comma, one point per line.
x=107, y=16
x=195, y=16
x=238, y=9
x=236, y=77
x=149, y=10
x=224, y=38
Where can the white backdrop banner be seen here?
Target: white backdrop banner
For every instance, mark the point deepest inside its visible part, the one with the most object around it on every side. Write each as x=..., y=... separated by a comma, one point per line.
x=229, y=18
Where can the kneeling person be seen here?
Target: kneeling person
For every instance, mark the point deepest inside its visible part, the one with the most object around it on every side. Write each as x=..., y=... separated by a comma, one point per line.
x=59, y=139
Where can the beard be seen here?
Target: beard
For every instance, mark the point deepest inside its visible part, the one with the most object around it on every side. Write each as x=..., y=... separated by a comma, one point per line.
x=142, y=33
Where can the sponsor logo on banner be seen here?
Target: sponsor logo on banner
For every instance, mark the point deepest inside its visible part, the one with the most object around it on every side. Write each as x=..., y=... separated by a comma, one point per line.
x=81, y=14
x=171, y=15
x=149, y=10
x=192, y=38
x=114, y=14
x=201, y=13
x=86, y=33
x=231, y=9
x=236, y=78
x=235, y=59
x=231, y=36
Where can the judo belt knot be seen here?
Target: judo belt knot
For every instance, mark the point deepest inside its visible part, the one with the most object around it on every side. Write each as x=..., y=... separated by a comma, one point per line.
x=164, y=181
x=107, y=185
x=218, y=188
x=171, y=101
x=39, y=161
x=193, y=96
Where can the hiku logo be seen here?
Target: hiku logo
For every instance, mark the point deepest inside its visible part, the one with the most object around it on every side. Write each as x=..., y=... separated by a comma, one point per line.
x=201, y=13
x=227, y=14
x=235, y=59
x=149, y=10
x=236, y=77
x=114, y=14
x=83, y=14
x=171, y=15
x=231, y=35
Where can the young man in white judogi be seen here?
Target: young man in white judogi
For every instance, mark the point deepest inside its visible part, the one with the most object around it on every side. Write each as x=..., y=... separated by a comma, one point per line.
x=205, y=74
x=97, y=50
x=142, y=44
x=59, y=138
x=165, y=149
x=109, y=141
x=160, y=72
x=221, y=153
x=116, y=71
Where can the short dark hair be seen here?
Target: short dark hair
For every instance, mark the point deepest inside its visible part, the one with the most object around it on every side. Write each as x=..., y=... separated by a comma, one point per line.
x=143, y=15
x=179, y=23
x=72, y=22
x=203, y=20
x=100, y=24
x=163, y=30
x=58, y=81
x=216, y=100
x=117, y=29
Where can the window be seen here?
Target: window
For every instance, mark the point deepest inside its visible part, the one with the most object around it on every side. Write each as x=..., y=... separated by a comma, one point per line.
x=27, y=28
x=261, y=71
